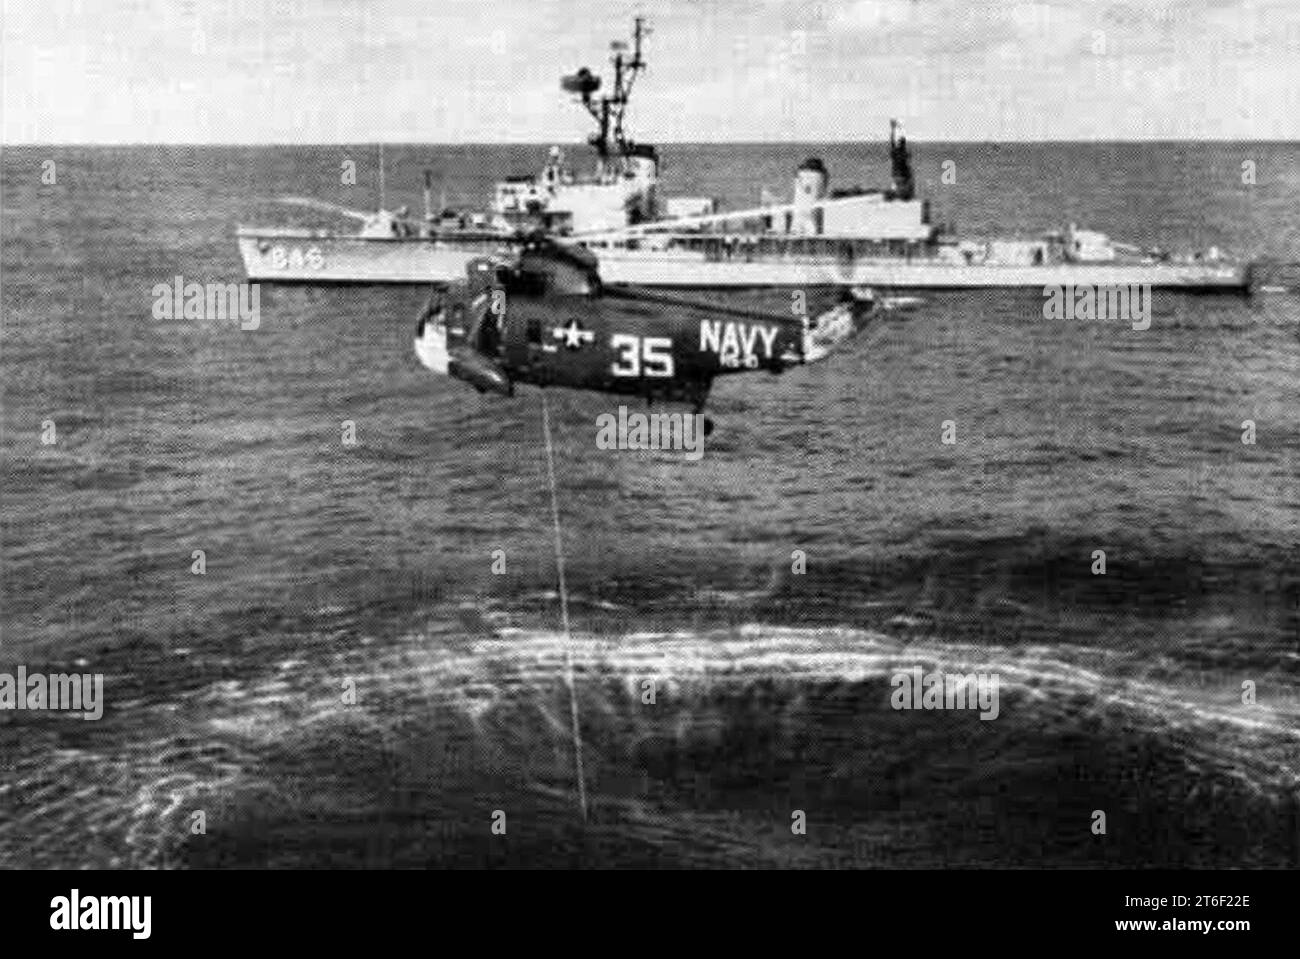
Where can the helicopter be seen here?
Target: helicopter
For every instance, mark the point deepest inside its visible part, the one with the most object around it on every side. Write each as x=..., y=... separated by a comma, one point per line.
x=546, y=319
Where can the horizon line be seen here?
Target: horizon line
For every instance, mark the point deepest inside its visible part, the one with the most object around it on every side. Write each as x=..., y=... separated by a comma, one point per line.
x=546, y=143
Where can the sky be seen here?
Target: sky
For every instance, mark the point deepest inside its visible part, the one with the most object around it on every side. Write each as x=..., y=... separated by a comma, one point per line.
x=485, y=71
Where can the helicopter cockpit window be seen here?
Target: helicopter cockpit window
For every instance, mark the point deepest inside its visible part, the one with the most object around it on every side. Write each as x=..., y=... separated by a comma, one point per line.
x=434, y=310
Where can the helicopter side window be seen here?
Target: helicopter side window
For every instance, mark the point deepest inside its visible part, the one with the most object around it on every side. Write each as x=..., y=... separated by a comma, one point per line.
x=534, y=331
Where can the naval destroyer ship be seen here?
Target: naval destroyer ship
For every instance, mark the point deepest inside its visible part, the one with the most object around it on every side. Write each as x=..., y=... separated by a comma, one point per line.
x=821, y=238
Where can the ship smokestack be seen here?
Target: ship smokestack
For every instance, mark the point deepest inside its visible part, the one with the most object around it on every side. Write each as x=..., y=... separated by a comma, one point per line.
x=810, y=187
x=903, y=187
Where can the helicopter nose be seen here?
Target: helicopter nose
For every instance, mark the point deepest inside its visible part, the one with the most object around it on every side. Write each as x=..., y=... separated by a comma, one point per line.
x=431, y=345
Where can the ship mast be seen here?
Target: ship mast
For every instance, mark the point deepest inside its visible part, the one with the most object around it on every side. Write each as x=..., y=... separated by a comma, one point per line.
x=609, y=110
x=625, y=72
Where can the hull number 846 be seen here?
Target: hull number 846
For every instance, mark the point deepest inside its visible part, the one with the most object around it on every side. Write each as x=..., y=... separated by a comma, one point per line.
x=294, y=258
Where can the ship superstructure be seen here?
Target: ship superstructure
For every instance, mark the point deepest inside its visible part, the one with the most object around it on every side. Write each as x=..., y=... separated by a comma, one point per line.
x=622, y=188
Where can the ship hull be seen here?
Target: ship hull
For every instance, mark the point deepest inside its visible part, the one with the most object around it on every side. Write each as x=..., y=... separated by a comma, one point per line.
x=300, y=256
x=649, y=270
x=295, y=256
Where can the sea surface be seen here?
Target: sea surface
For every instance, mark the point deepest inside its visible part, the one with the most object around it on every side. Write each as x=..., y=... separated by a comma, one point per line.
x=348, y=683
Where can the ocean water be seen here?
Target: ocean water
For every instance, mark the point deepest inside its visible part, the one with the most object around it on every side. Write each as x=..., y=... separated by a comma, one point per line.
x=349, y=684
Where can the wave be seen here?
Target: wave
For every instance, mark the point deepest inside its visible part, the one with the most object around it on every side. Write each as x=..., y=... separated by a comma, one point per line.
x=700, y=748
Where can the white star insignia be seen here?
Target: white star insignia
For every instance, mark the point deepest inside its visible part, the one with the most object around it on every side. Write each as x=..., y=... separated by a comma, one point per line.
x=573, y=335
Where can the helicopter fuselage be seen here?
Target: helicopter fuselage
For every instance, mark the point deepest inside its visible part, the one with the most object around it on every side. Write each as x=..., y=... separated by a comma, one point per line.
x=553, y=323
